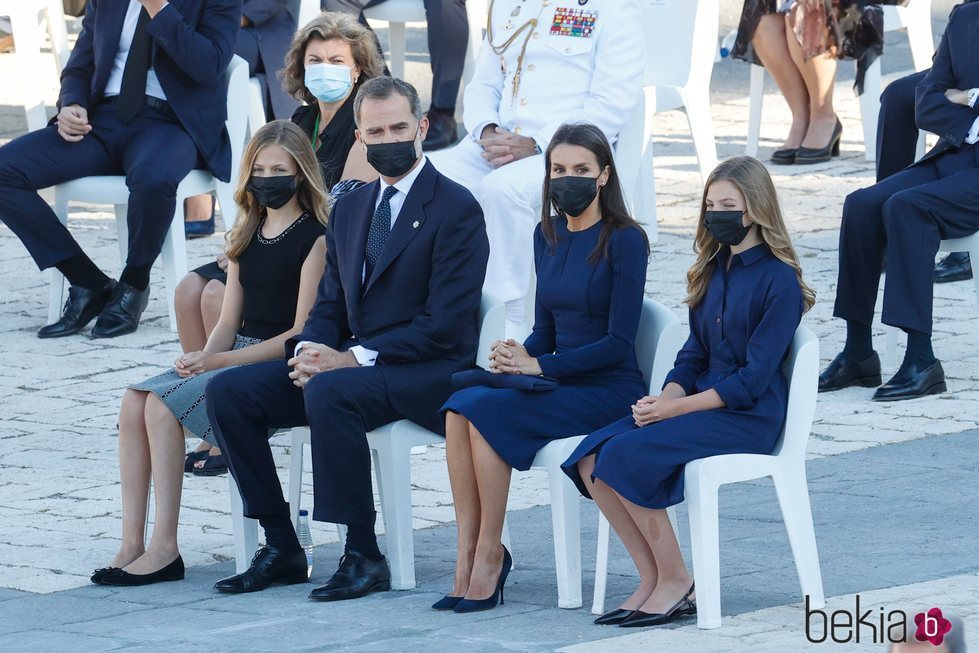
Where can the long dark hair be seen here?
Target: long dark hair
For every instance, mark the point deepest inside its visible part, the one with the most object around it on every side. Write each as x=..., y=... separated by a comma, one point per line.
x=611, y=200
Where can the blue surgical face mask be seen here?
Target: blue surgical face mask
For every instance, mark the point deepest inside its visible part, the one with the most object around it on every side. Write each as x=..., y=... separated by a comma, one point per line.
x=328, y=82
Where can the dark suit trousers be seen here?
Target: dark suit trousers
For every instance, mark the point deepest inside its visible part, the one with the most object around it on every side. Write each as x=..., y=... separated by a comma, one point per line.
x=339, y=406
x=448, y=37
x=897, y=132
x=907, y=215
x=153, y=152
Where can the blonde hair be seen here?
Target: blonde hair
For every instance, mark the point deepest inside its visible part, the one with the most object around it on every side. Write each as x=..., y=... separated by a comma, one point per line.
x=752, y=179
x=310, y=188
x=327, y=26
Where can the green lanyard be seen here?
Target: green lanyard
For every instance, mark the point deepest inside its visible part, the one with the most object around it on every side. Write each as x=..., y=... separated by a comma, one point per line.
x=316, y=129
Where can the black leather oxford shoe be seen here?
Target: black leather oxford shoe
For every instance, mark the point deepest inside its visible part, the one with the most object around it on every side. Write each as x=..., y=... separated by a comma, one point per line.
x=356, y=576
x=80, y=309
x=912, y=381
x=121, y=314
x=954, y=267
x=442, y=131
x=842, y=373
x=270, y=566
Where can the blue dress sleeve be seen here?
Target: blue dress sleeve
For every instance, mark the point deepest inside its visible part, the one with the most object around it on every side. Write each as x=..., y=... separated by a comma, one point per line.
x=542, y=339
x=628, y=259
x=767, y=344
x=692, y=359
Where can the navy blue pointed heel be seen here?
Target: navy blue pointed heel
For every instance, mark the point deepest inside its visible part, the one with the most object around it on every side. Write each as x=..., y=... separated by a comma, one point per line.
x=478, y=605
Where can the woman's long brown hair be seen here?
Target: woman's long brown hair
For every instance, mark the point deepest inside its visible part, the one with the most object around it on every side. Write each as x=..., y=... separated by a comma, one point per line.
x=611, y=201
x=310, y=188
x=752, y=179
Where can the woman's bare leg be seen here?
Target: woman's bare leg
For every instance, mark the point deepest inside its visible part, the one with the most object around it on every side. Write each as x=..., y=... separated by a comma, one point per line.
x=465, y=497
x=769, y=42
x=134, y=476
x=211, y=299
x=493, y=482
x=187, y=307
x=819, y=75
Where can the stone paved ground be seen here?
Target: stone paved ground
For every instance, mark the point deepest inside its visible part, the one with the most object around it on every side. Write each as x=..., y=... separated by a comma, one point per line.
x=59, y=514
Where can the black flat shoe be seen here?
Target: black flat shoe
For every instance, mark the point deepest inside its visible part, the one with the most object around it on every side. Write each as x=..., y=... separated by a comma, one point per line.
x=912, y=381
x=120, y=577
x=954, y=267
x=842, y=373
x=269, y=567
x=685, y=607
x=213, y=466
x=82, y=307
x=356, y=576
x=192, y=458
x=442, y=131
x=614, y=617
x=478, y=605
x=807, y=155
x=785, y=156
x=121, y=314
x=447, y=602
x=99, y=574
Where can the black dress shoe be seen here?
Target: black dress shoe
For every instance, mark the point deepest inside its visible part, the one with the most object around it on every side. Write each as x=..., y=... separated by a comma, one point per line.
x=807, y=155
x=121, y=315
x=842, y=373
x=685, y=607
x=912, y=381
x=954, y=267
x=80, y=309
x=120, y=577
x=270, y=566
x=99, y=574
x=442, y=131
x=356, y=576
x=785, y=156
x=614, y=617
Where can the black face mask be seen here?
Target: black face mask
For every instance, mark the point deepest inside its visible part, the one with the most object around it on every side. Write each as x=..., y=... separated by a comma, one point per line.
x=726, y=226
x=572, y=195
x=392, y=159
x=272, y=192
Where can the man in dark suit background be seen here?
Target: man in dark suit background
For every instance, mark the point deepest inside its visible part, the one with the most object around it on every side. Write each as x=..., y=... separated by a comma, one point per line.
x=395, y=317
x=906, y=215
x=143, y=94
x=267, y=28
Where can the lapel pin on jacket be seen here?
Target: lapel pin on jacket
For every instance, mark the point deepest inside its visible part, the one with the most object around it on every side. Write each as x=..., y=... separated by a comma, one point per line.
x=414, y=225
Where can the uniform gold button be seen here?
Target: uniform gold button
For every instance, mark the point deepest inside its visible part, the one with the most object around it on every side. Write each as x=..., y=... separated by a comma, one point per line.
x=523, y=101
x=517, y=130
x=531, y=68
x=546, y=3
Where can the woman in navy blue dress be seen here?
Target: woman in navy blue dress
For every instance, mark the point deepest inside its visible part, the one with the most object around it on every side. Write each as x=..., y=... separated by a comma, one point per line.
x=726, y=393
x=591, y=272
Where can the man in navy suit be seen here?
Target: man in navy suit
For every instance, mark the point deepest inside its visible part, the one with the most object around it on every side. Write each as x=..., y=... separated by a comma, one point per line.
x=143, y=94
x=906, y=215
x=267, y=28
x=395, y=317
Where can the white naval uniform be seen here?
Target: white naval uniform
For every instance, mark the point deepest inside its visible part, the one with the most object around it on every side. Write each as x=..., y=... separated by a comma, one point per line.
x=594, y=78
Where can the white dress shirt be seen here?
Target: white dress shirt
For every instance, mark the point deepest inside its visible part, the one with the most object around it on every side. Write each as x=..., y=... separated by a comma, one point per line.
x=367, y=357
x=114, y=85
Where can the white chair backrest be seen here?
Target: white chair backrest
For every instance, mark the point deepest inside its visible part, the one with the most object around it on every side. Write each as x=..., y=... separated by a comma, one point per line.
x=236, y=77
x=681, y=40
x=492, y=326
x=659, y=338
x=304, y=10
x=801, y=369
x=632, y=149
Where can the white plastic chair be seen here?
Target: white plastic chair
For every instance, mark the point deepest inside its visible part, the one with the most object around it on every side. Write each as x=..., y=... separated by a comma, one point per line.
x=25, y=27
x=915, y=19
x=111, y=189
x=681, y=40
x=391, y=448
x=659, y=338
x=786, y=466
x=966, y=244
x=634, y=163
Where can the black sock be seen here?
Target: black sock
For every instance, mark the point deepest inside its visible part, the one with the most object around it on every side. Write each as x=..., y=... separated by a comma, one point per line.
x=859, y=341
x=280, y=534
x=137, y=276
x=361, y=538
x=919, y=349
x=81, y=271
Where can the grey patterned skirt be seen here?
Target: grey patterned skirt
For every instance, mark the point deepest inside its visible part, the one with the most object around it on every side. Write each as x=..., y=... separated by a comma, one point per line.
x=185, y=396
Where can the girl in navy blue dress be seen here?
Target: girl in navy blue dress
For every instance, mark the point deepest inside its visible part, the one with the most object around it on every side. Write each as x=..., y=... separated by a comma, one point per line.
x=726, y=393
x=591, y=272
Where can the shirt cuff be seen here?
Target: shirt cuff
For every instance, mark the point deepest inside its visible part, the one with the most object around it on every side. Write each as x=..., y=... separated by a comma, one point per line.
x=973, y=96
x=477, y=133
x=973, y=135
x=366, y=357
x=302, y=343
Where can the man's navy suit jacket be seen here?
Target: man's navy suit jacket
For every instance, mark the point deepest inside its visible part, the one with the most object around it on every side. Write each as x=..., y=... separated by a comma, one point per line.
x=420, y=308
x=193, y=42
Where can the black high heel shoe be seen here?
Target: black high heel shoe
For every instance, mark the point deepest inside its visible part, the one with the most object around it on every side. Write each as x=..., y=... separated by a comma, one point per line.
x=785, y=156
x=447, y=602
x=807, y=155
x=685, y=607
x=173, y=571
x=476, y=605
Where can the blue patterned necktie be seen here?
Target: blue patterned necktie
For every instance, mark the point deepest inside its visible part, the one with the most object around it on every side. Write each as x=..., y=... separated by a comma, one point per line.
x=379, y=231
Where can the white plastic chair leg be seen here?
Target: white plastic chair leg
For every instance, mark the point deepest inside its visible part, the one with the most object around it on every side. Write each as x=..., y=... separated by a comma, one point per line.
x=393, y=464
x=256, y=107
x=245, y=530
x=601, y=566
x=295, y=477
x=756, y=97
x=566, y=522
x=793, y=497
x=174, y=255
x=705, y=546
x=396, y=37
x=57, y=32
x=869, y=108
x=122, y=232
x=697, y=108
x=56, y=293
x=919, y=35
x=27, y=40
